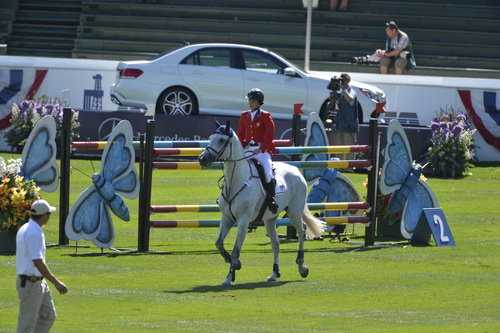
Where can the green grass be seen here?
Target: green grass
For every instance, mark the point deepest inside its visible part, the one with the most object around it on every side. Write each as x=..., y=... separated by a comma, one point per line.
x=349, y=289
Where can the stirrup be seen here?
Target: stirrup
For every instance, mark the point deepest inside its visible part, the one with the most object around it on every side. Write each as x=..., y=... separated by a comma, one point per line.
x=273, y=205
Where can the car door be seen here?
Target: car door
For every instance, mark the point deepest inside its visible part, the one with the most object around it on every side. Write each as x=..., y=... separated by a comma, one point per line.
x=219, y=86
x=281, y=92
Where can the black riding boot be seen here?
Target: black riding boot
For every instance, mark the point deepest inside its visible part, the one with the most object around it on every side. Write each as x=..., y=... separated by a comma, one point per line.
x=271, y=188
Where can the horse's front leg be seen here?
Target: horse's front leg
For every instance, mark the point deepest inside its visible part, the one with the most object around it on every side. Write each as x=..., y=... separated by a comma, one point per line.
x=275, y=244
x=224, y=227
x=235, y=254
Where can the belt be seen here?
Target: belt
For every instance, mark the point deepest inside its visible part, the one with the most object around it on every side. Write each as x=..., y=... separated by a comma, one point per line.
x=253, y=144
x=32, y=278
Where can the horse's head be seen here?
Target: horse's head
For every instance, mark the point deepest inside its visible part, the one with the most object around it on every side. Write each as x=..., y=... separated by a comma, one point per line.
x=217, y=148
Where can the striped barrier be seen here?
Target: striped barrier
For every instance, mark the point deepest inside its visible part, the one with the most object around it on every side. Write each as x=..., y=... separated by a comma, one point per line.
x=299, y=164
x=279, y=151
x=279, y=222
x=100, y=145
x=194, y=148
x=215, y=208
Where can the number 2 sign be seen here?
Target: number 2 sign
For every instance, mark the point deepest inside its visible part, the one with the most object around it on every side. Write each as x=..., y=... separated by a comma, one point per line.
x=432, y=221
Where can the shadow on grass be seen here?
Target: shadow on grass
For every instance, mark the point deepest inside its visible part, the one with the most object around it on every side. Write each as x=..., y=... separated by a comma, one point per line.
x=241, y=286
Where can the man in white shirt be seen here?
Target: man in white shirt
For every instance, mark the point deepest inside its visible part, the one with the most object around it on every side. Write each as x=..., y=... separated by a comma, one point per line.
x=36, y=308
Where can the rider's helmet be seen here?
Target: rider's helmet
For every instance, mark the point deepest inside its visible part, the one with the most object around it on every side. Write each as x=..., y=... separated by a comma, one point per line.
x=256, y=94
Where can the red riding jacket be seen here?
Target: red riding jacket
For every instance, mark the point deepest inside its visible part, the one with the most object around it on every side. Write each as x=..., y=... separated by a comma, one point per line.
x=260, y=130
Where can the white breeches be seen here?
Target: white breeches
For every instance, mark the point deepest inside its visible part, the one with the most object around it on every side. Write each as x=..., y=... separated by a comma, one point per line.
x=265, y=160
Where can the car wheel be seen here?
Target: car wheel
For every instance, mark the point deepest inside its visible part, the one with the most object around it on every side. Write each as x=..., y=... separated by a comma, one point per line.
x=177, y=101
x=360, y=114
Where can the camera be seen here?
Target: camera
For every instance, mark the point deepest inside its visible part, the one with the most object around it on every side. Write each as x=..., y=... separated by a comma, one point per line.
x=359, y=60
x=335, y=83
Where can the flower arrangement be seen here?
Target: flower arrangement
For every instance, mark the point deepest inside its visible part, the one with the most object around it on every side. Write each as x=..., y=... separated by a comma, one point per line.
x=16, y=195
x=452, y=145
x=382, y=212
x=28, y=113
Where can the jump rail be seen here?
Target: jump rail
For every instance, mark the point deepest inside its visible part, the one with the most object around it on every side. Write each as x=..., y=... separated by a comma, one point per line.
x=100, y=145
x=215, y=208
x=279, y=222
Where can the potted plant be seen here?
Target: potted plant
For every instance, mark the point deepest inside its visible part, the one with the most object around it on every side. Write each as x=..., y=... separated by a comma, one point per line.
x=16, y=196
x=28, y=113
x=452, y=145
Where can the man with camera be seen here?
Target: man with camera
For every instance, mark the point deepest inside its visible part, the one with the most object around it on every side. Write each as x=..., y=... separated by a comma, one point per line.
x=344, y=101
x=398, y=51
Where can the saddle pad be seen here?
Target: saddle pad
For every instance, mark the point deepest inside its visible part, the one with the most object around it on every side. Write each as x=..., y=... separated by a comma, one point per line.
x=280, y=185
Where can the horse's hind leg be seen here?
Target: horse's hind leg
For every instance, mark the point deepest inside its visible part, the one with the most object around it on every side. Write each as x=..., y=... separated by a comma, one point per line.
x=303, y=269
x=225, y=226
x=275, y=244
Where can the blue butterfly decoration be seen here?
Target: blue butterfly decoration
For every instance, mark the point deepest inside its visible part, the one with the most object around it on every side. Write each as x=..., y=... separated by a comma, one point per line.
x=39, y=155
x=315, y=136
x=89, y=218
x=401, y=177
x=330, y=184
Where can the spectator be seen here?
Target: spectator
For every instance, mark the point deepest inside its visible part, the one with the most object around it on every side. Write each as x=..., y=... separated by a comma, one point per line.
x=398, y=51
x=343, y=5
x=36, y=308
x=346, y=121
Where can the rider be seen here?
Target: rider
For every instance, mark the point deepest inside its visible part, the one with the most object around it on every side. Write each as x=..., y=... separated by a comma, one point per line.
x=256, y=134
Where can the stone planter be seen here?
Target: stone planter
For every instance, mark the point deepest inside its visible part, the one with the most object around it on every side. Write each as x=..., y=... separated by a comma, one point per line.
x=386, y=229
x=8, y=242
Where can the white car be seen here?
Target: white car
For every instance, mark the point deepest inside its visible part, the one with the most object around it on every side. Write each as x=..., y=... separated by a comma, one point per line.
x=215, y=78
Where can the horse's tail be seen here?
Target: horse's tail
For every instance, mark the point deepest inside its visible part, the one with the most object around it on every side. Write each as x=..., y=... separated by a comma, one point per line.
x=314, y=226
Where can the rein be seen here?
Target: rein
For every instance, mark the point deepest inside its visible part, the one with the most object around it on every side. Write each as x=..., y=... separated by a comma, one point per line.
x=226, y=195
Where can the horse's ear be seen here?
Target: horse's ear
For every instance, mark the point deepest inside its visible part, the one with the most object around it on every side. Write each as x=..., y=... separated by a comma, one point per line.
x=228, y=127
x=217, y=124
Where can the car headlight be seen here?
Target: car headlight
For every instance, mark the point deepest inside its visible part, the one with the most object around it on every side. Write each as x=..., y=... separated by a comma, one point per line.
x=370, y=94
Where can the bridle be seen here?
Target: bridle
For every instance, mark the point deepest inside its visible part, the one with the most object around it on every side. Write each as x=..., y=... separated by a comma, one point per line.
x=229, y=142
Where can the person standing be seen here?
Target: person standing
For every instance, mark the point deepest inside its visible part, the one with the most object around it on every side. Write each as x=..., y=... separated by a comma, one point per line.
x=256, y=133
x=398, y=51
x=346, y=121
x=36, y=308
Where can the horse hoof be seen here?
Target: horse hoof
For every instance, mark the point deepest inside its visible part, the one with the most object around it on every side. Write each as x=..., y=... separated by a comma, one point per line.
x=304, y=272
x=272, y=278
x=226, y=283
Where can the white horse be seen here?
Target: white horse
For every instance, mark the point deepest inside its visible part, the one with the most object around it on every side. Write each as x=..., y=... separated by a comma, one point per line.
x=242, y=197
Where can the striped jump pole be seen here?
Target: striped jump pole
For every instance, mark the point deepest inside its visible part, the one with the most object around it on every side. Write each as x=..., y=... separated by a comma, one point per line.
x=215, y=208
x=100, y=145
x=279, y=222
x=299, y=164
x=279, y=151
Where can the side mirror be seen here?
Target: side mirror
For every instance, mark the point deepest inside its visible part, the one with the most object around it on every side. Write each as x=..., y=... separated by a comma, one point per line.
x=289, y=71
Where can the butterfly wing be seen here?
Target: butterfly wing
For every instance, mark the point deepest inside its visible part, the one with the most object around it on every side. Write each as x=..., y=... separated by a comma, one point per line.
x=421, y=197
x=89, y=218
x=343, y=190
x=117, y=164
x=83, y=218
x=397, y=159
x=106, y=235
x=316, y=136
x=39, y=155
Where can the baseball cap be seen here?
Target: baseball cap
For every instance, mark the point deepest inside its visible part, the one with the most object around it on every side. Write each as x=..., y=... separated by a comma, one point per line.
x=41, y=207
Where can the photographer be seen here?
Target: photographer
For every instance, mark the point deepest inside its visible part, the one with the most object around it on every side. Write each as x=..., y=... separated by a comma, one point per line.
x=346, y=119
x=398, y=51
